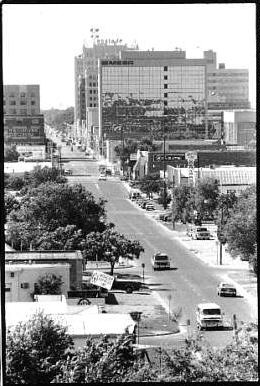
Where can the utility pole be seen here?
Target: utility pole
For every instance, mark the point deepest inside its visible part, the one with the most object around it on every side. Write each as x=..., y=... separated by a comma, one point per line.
x=173, y=216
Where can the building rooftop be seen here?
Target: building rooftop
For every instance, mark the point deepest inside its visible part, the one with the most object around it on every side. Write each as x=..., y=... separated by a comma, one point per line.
x=43, y=255
x=19, y=267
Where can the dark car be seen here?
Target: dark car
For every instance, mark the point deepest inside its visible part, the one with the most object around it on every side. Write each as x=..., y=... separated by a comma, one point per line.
x=226, y=289
x=126, y=285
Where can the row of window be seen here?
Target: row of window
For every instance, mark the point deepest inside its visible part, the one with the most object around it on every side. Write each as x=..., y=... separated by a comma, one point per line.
x=22, y=103
x=21, y=111
x=22, y=95
x=93, y=91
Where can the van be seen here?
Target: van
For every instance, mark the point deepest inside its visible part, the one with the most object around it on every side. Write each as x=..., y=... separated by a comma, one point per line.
x=209, y=315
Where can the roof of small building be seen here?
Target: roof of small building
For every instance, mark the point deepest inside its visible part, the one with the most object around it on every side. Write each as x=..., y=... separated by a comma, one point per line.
x=19, y=267
x=43, y=255
x=85, y=321
x=232, y=176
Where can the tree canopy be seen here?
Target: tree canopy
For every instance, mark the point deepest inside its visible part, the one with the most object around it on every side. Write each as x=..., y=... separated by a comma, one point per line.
x=110, y=246
x=241, y=227
x=33, y=349
x=50, y=206
x=10, y=153
x=49, y=284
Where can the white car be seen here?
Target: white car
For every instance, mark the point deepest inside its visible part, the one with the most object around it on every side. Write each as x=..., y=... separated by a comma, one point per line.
x=160, y=261
x=102, y=177
x=209, y=315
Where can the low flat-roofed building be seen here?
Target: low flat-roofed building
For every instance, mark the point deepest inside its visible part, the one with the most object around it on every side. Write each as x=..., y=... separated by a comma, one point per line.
x=74, y=258
x=21, y=279
x=230, y=178
x=81, y=321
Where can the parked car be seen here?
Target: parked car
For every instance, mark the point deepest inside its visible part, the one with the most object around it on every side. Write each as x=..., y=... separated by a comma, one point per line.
x=102, y=176
x=149, y=206
x=226, y=289
x=208, y=315
x=68, y=172
x=160, y=261
x=200, y=233
x=144, y=203
x=123, y=178
x=166, y=216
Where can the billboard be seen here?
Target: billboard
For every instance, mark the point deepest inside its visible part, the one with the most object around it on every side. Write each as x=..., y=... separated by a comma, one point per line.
x=101, y=279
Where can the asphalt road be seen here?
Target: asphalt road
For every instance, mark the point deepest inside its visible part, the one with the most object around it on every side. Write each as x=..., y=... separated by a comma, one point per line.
x=189, y=282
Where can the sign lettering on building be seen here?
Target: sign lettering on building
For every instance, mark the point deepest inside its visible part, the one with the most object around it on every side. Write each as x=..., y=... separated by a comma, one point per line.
x=117, y=62
x=169, y=157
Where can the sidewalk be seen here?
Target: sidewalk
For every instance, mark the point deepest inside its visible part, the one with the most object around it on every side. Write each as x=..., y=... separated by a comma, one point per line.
x=232, y=269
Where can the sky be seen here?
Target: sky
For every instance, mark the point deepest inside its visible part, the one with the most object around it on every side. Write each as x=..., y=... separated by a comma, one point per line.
x=40, y=41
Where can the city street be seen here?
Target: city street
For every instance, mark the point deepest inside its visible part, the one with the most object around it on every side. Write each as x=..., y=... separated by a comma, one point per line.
x=189, y=282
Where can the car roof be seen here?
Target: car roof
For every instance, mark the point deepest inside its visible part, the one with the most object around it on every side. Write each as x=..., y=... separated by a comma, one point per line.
x=224, y=283
x=208, y=305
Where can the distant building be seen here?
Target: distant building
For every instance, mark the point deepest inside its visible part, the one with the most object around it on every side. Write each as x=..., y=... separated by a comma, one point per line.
x=21, y=279
x=228, y=89
x=86, y=83
x=230, y=179
x=240, y=128
x=23, y=122
x=73, y=258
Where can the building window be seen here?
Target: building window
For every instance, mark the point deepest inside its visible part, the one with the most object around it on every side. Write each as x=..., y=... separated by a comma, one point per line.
x=24, y=285
x=23, y=102
x=90, y=91
x=165, y=103
x=33, y=112
x=90, y=104
x=23, y=111
x=95, y=105
x=165, y=68
x=94, y=84
x=35, y=121
x=90, y=84
x=11, y=274
x=90, y=98
x=165, y=95
x=166, y=86
x=165, y=77
x=22, y=95
x=12, y=111
x=32, y=103
x=12, y=103
x=32, y=95
x=7, y=289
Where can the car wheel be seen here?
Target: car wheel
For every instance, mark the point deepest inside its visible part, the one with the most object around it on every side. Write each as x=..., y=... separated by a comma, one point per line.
x=129, y=290
x=82, y=302
x=199, y=327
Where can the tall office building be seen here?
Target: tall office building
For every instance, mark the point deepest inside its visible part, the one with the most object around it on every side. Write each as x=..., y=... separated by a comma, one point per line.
x=227, y=88
x=86, y=82
x=155, y=94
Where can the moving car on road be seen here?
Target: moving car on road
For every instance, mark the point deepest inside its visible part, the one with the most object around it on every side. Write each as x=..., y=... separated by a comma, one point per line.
x=209, y=315
x=226, y=289
x=160, y=261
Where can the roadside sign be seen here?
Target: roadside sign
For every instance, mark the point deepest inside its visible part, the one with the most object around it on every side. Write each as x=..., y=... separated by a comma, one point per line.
x=191, y=155
x=101, y=279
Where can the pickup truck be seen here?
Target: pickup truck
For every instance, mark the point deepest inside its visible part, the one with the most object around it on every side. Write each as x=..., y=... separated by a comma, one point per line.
x=160, y=261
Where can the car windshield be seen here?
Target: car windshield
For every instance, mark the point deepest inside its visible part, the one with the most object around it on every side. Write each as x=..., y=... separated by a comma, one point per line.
x=161, y=257
x=201, y=229
x=211, y=311
x=227, y=285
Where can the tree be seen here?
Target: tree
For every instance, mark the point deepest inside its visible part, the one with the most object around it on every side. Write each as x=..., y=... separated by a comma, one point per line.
x=151, y=184
x=43, y=175
x=33, y=348
x=11, y=203
x=222, y=213
x=10, y=153
x=240, y=230
x=101, y=361
x=167, y=199
x=49, y=284
x=110, y=246
x=14, y=183
x=52, y=205
x=183, y=203
x=206, y=197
